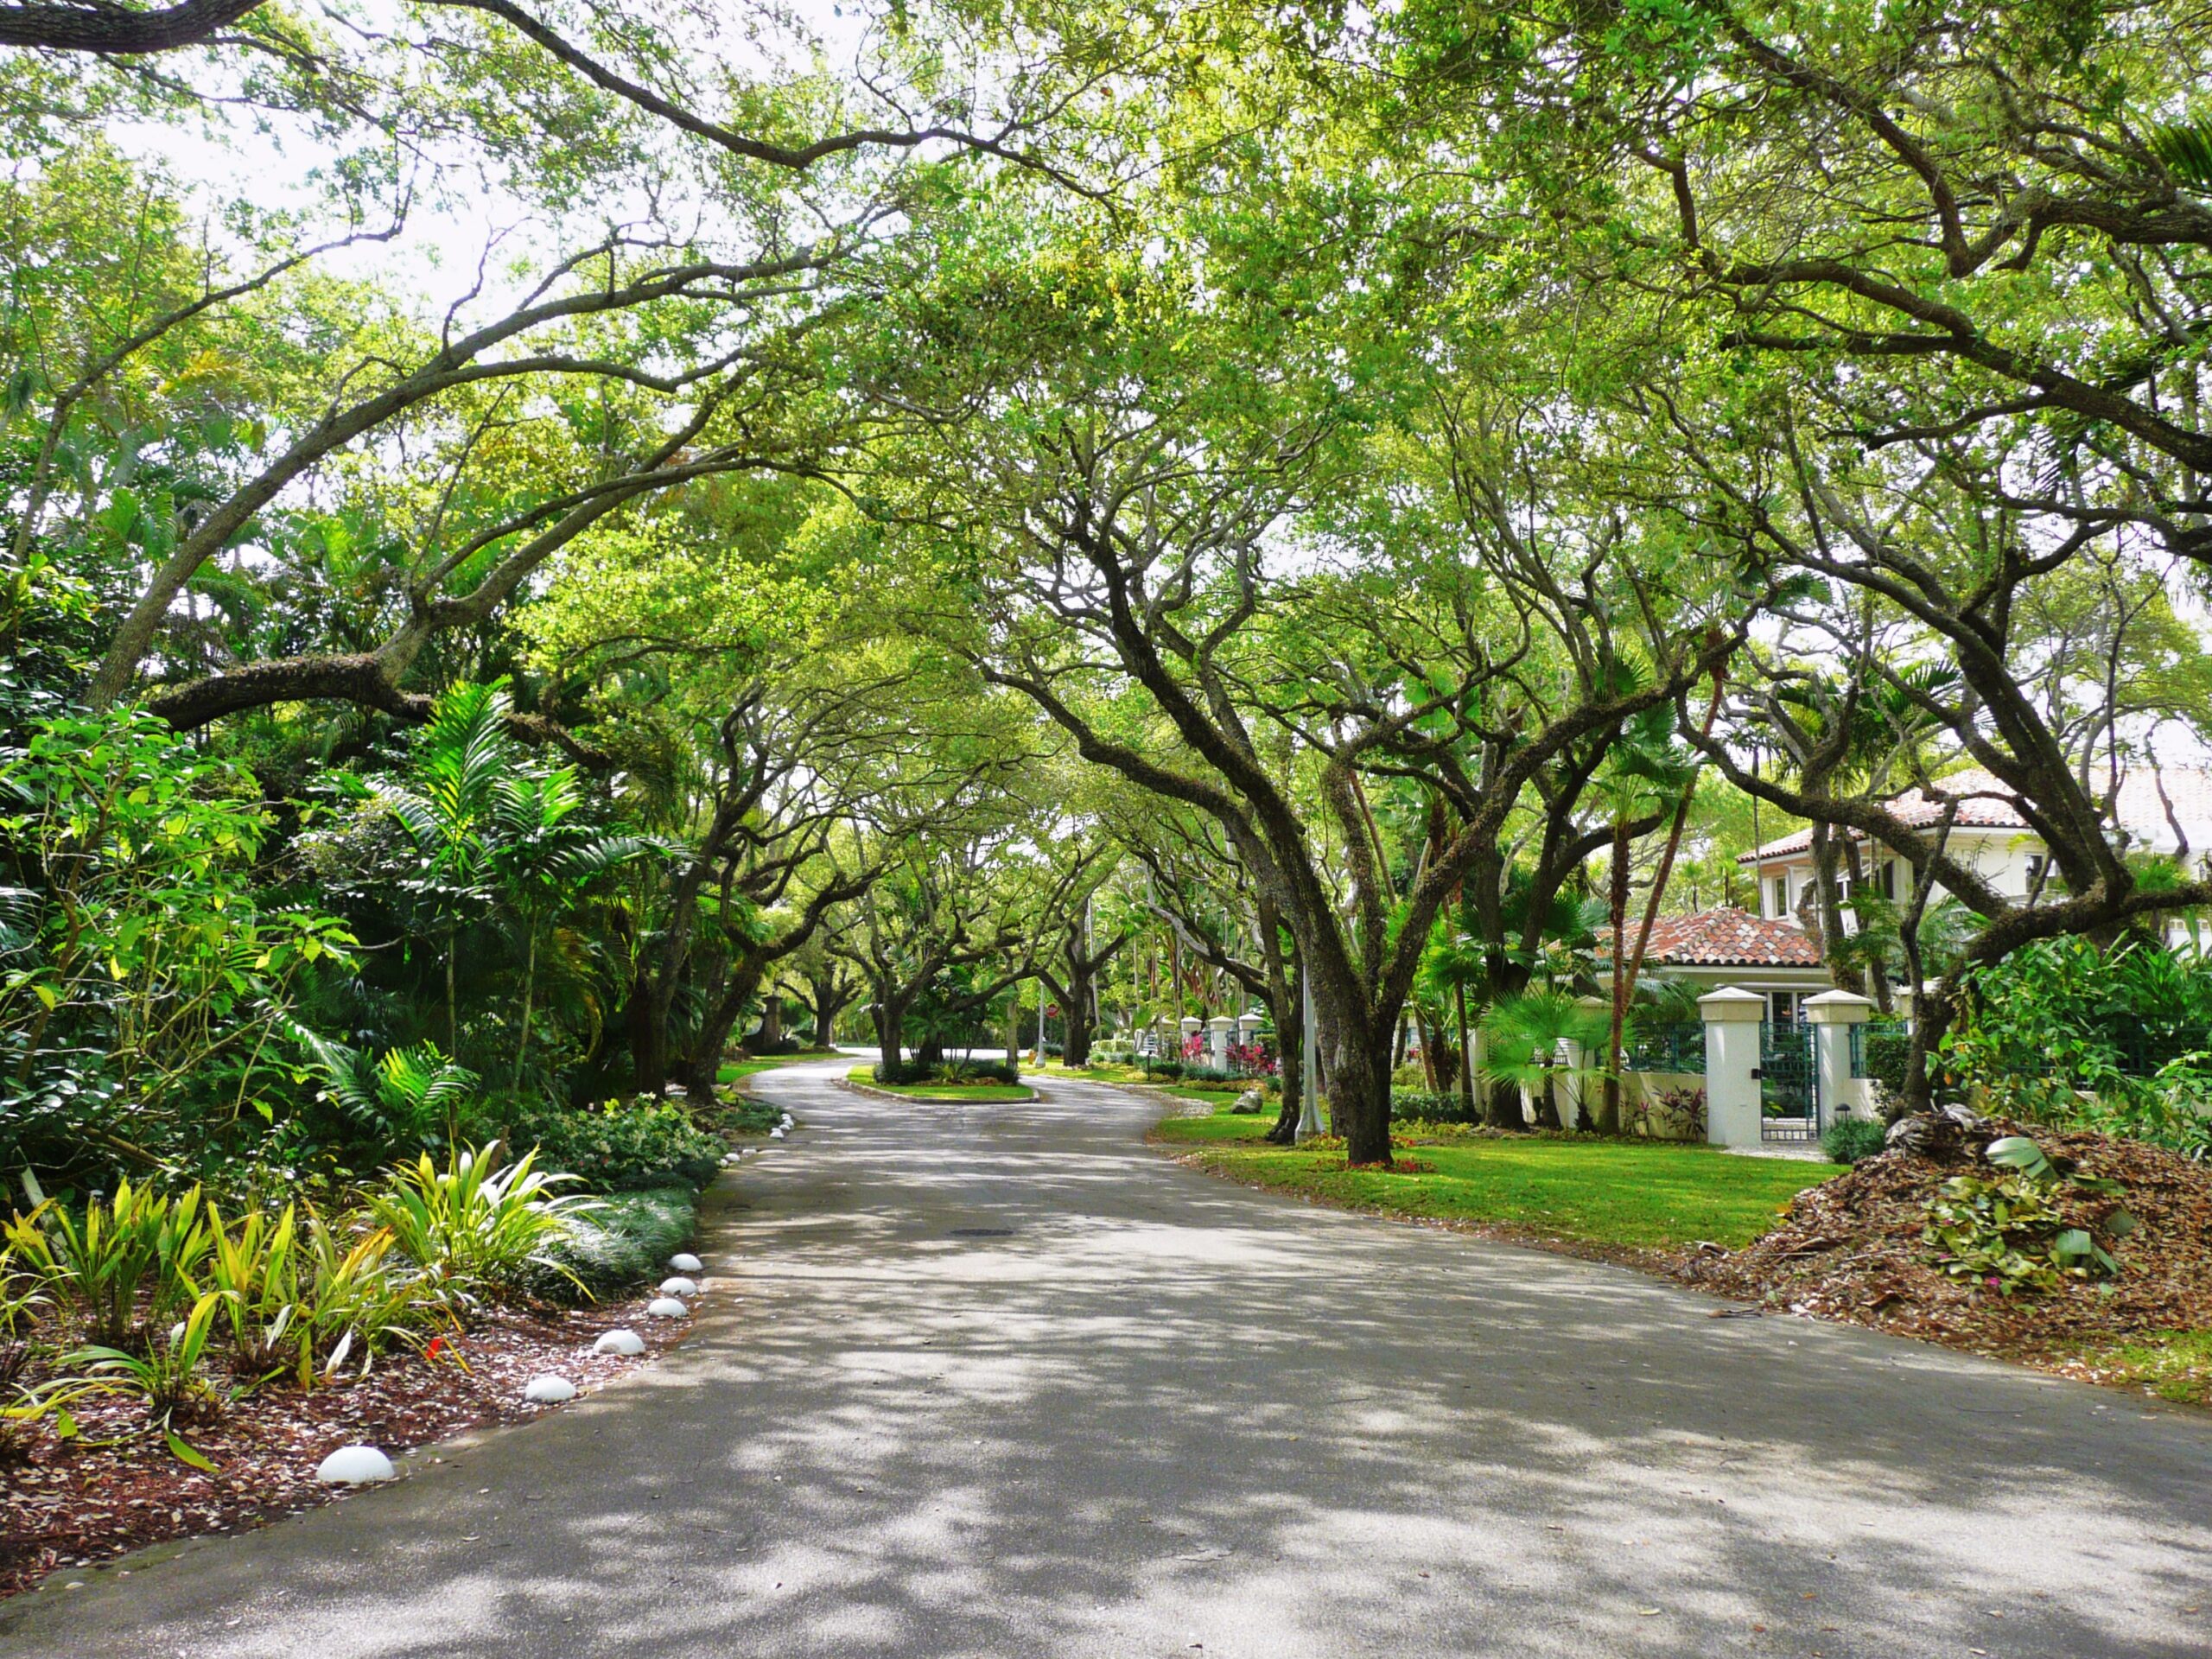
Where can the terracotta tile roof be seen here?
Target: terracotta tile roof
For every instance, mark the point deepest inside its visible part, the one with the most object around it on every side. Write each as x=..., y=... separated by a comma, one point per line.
x=2139, y=809
x=1728, y=938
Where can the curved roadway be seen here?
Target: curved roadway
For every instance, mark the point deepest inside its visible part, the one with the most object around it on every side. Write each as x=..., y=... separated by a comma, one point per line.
x=997, y=1381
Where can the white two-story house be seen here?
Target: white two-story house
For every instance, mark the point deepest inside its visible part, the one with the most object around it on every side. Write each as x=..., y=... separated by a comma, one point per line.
x=2166, y=811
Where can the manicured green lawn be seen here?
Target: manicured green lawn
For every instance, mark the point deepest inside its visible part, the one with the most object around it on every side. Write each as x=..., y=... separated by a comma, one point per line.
x=943, y=1090
x=1596, y=1192
x=1214, y=1094
x=733, y=1069
x=1096, y=1071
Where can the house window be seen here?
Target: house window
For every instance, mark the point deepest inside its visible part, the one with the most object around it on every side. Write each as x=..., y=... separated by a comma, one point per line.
x=1783, y=1008
x=1781, y=895
x=1889, y=879
x=2035, y=872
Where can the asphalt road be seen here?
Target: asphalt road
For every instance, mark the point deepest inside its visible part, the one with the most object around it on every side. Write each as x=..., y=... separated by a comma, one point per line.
x=996, y=1381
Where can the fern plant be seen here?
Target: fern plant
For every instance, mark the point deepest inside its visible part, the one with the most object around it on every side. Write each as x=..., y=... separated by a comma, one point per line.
x=407, y=1096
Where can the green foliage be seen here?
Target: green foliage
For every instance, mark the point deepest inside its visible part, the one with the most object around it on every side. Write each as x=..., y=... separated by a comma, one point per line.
x=473, y=1226
x=1850, y=1139
x=2118, y=1040
x=1432, y=1106
x=619, y=1144
x=125, y=1264
x=2005, y=1230
x=1888, y=1052
x=406, y=1097
x=142, y=977
x=169, y=1371
x=903, y=1072
x=629, y=1238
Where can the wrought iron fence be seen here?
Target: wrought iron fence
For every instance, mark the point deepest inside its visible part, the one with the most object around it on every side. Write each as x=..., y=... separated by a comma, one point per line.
x=2142, y=1049
x=1665, y=1045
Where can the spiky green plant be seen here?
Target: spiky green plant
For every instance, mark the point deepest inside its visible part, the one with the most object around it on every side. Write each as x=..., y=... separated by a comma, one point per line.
x=141, y=1243
x=472, y=1225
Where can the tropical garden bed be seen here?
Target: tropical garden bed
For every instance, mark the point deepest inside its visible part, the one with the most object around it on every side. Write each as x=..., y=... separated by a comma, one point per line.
x=115, y=1487
x=172, y=1363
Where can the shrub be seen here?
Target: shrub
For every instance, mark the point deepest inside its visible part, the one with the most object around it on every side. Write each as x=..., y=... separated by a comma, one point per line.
x=911, y=1072
x=619, y=1144
x=1850, y=1139
x=1673, y=1114
x=979, y=1072
x=750, y=1114
x=1433, y=1106
x=626, y=1240
x=471, y=1227
x=1409, y=1076
x=353, y=1291
x=170, y=1374
x=1886, y=1053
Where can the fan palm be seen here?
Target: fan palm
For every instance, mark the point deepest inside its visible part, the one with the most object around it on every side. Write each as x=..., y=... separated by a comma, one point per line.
x=1521, y=1036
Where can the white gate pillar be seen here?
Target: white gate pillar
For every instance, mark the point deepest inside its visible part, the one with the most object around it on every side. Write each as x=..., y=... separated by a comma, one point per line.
x=1832, y=1015
x=1732, y=1017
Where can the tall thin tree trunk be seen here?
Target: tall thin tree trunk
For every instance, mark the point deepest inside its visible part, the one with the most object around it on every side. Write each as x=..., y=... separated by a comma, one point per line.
x=1466, y=1055
x=1609, y=1110
x=529, y=988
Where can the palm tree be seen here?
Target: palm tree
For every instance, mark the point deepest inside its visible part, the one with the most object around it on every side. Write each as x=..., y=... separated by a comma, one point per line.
x=495, y=834
x=543, y=857
x=1647, y=773
x=1453, y=961
x=1521, y=1036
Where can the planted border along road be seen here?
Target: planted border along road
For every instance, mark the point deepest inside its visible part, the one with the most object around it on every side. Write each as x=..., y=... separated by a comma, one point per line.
x=997, y=1381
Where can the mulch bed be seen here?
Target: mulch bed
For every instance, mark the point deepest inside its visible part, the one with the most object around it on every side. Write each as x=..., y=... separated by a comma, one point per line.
x=1851, y=1249
x=117, y=1487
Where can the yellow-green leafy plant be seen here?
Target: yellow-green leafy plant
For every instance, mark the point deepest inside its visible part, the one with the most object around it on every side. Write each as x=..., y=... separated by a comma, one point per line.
x=353, y=1294
x=256, y=1271
x=139, y=1246
x=170, y=1377
x=472, y=1225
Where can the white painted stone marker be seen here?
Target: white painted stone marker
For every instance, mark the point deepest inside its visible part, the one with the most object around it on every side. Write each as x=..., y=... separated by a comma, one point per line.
x=628, y=1343
x=355, y=1465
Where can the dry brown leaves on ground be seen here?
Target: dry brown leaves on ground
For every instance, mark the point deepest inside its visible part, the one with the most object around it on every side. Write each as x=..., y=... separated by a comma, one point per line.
x=117, y=1487
x=1852, y=1248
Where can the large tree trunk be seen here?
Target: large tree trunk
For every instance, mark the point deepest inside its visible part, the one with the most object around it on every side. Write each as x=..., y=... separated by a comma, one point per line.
x=646, y=1017
x=890, y=1014
x=1081, y=1014
x=1359, y=1093
x=1843, y=974
x=705, y=1060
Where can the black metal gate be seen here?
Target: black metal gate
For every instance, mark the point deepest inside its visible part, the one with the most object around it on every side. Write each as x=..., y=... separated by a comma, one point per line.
x=1790, y=1106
